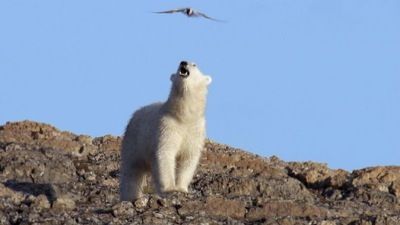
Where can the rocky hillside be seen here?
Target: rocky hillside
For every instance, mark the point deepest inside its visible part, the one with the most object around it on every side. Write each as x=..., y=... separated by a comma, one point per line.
x=55, y=177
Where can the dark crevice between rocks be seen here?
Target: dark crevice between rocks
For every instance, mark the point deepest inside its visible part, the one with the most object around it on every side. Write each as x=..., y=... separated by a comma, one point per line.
x=103, y=211
x=177, y=207
x=114, y=174
x=81, y=149
x=3, y=146
x=365, y=219
x=16, y=221
x=33, y=189
x=253, y=205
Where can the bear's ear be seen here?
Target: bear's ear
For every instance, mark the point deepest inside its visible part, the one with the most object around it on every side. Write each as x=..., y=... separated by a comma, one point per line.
x=208, y=80
x=172, y=77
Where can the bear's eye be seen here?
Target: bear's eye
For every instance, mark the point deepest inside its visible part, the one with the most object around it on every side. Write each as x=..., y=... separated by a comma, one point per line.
x=194, y=64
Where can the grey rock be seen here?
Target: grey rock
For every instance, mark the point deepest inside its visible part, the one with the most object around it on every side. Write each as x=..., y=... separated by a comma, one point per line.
x=48, y=176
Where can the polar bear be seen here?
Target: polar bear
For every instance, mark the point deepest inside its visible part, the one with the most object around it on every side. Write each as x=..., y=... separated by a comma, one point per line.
x=166, y=139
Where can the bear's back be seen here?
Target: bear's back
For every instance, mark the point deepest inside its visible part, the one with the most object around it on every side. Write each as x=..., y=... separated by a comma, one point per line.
x=142, y=125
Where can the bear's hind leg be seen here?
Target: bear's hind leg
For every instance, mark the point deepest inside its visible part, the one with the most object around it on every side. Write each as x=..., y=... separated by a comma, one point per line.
x=132, y=182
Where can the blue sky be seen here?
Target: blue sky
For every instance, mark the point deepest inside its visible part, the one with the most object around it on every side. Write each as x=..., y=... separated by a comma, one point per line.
x=302, y=80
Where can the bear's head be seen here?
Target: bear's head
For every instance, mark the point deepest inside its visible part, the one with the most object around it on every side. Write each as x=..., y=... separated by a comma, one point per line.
x=189, y=77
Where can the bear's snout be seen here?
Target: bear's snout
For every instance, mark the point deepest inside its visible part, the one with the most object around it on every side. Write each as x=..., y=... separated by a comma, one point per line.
x=184, y=63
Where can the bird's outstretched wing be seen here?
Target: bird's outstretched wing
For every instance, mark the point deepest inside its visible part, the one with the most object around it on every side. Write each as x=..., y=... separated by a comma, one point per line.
x=173, y=11
x=197, y=13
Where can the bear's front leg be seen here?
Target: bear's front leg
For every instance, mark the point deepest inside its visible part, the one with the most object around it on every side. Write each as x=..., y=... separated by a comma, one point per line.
x=165, y=162
x=186, y=167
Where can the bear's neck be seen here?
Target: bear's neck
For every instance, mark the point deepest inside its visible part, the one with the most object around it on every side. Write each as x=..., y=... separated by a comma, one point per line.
x=186, y=105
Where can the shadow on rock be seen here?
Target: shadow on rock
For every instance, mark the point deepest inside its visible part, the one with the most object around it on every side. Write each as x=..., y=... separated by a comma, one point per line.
x=33, y=189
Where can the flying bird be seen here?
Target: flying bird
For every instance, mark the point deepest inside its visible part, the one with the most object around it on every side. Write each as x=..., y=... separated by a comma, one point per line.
x=190, y=12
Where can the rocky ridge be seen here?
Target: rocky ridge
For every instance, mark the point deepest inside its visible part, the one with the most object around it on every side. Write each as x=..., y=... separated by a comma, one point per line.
x=48, y=176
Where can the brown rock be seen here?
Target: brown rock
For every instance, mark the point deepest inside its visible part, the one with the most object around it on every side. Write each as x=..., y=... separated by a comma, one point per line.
x=64, y=203
x=108, y=143
x=378, y=186
x=325, y=222
x=78, y=176
x=84, y=139
x=15, y=196
x=190, y=208
x=394, y=188
x=218, y=206
x=46, y=136
x=384, y=179
x=318, y=175
x=286, y=208
x=38, y=166
x=41, y=202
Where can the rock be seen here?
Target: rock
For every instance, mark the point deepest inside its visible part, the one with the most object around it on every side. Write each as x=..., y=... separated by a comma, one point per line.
x=46, y=136
x=214, y=206
x=41, y=202
x=124, y=208
x=108, y=143
x=318, y=175
x=325, y=222
x=385, y=179
x=48, y=176
x=84, y=139
x=218, y=206
x=141, y=202
x=37, y=166
x=14, y=196
x=3, y=219
x=286, y=208
x=64, y=203
x=394, y=188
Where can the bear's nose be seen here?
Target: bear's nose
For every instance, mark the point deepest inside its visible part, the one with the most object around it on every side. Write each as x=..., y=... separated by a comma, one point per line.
x=184, y=63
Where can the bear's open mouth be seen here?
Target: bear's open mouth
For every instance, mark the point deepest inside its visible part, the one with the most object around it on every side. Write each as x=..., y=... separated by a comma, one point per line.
x=183, y=72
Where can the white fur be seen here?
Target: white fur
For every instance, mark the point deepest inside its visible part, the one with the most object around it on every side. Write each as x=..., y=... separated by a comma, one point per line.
x=166, y=139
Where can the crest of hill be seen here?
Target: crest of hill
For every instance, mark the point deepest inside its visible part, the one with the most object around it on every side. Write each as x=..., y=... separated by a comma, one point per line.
x=48, y=176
